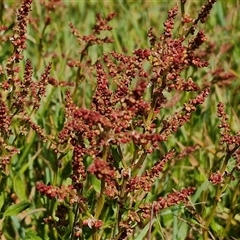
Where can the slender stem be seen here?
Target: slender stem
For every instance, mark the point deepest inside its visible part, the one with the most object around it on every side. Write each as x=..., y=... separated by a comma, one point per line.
x=150, y=223
x=219, y=192
x=1, y=10
x=101, y=200
x=79, y=76
x=74, y=222
x=231, y=214
x=40, y=45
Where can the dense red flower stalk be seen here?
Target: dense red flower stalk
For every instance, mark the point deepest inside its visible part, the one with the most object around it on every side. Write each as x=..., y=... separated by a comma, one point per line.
x=163, y=202
x=216, y=178
x=202, y=16
x=5, y=119
x=225, y=128
x=59, y=193
x=146, y=181
x=22, y=96
x=125, y=112
x=19, y=38
x=169, y=23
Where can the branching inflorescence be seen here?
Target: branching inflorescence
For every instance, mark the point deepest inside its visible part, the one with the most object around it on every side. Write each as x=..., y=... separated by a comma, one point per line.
x=121, y=116
x=111, y=141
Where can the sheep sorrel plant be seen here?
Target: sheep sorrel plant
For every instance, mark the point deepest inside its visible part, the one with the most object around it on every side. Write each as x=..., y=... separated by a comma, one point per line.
x=110, y=152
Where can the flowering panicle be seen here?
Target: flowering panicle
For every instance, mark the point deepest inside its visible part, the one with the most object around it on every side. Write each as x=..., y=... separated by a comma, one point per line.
x=216, y=178
x=78, y=169
x=38, y=130
x=222, y=78
x=233, y=141
x=52, y=5
x=5, y=119
x=173, y=124
x=102, y=24
x=7, y=152
x=19, y=38
x=169, y=23
x=92, y=39
x=39, y=89
x=202, y=16
x=21, y=94
x=205, y=11
x=236, y=156
x=146, y=181
x=128, y=101
x=170, y=200
x=59, y=193
x=232, y=145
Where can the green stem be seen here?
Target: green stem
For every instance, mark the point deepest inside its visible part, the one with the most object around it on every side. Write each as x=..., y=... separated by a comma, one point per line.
x=1, y=10
x=101, y=200
x=219, y=192
x=40, y=46
x=231, y=215
x=79, y=76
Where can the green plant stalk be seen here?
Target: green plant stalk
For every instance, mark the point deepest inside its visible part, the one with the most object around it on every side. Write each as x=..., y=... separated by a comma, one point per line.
x=79, y=76
x=219, y=192
x=40, y=45
x=100, y=206
x=73, y=223
x=1, y=10
x=143, y=156
x=139, y=163
x=231, y=215
x=101, y=197
x=101, y=200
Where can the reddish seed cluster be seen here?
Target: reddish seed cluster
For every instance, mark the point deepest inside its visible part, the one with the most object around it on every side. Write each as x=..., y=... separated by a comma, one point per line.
x=162, y=203
x=39, y=131
x=146, y=180
x=92, y=39
x=120, y=114
x=101, y=170
x=20, y=98
x=40, y=88
x=8, y=152
x=79, y=172
x=187, y=151
x=173, y=124
x=225, y=128
x=202, y=16
x=169, y=23
x=222, y=77
x=5, y=119
x=173, y=199
x=19, y=38
x=216, y=178
x=52, y=5
x=59, y=193
x=102, y=24
x=197, y=41
x=92, y=223
x=205, y=11
x=236, y=155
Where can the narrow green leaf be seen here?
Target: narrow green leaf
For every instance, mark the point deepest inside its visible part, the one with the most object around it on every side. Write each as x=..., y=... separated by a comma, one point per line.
x=96, y=183
x=202, y=188
x=31, y=235
x=143, y=233
x=1, y=200
x=66, y=170
x=19, y=187
x=16, y=208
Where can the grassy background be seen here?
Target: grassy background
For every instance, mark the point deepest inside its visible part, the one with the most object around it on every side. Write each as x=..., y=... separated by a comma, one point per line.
x=56, y=44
